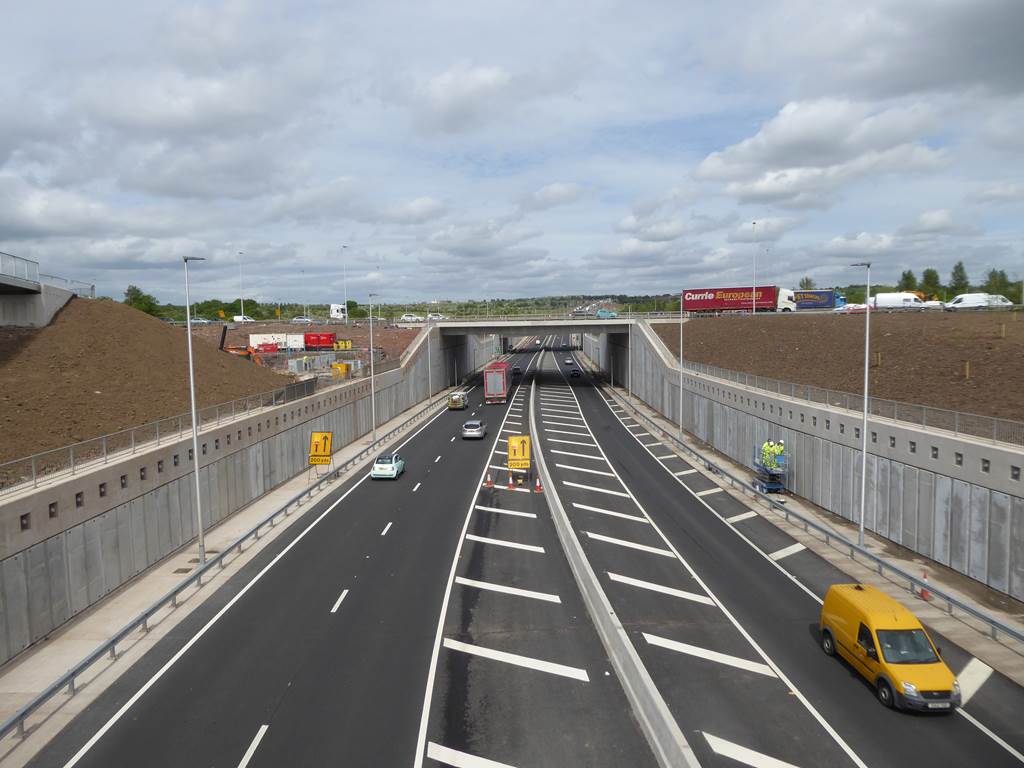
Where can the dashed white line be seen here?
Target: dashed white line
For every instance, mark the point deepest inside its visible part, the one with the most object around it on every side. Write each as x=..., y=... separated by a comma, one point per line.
x=514, y=512
x=743, y=754
x=661, y=588
x=452, y=440
x=386, y=529
x=709, y=491
x=972, y=678
x=504, y=543
x=594, y=488
x=792, y=549
x=252, y=746
x=337, y=603
x=416, y=487
x=458, y=759
x=437, y=459
x=705, y=653
x=629, y=544
x=610, y=512
x=520, y=661
x=508, y=590
x=741, y=516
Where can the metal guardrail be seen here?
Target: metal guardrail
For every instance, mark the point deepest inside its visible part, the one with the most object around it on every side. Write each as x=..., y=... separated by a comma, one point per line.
x=21, y=268
x=959, y=423
x=27, y=471
x=77, y=287
x=833, y=539
x=16, y=722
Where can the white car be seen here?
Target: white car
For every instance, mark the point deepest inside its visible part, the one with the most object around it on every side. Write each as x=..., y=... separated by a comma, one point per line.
x=387, y=466
x=978, y=301
x=436, y=316
x=410, y=318
x=243, y=319
x=302, y=320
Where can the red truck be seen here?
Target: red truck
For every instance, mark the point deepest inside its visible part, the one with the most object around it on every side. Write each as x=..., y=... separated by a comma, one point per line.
x=497, y=381
x=320, y=340
x=770, y=298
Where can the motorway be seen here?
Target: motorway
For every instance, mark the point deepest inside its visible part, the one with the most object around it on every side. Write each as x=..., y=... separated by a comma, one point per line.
x=434, y=620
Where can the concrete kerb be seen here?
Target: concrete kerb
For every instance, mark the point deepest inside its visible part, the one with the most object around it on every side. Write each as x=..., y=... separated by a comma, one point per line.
x=21, y=677
x=998, y=642
x=652, y=713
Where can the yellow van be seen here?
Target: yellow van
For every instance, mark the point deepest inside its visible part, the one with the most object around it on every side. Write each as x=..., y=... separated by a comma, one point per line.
x=886, y=644
x=457, y=401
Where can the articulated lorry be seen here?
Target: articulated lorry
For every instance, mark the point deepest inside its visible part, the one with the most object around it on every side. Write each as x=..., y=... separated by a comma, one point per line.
x=769, y=298
x=497, y=381
x=828, y=298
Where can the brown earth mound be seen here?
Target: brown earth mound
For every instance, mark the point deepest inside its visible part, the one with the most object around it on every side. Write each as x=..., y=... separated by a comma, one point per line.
x=101, y=366
x=923, y=354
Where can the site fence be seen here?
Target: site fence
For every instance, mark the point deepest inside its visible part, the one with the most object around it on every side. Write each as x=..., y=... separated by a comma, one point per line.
x=16, y=266
x=77, y=287
x=968, y=424
x=31, y=470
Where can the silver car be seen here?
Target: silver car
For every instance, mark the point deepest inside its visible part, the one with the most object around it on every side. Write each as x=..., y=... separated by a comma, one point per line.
x=474, y=430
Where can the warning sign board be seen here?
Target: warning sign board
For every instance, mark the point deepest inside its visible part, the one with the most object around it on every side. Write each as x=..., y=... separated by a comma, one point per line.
x=320, y=447
x=519, y=452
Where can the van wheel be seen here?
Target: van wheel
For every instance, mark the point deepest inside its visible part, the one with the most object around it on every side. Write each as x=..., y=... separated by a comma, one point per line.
x=885, y=694
x=827, y=643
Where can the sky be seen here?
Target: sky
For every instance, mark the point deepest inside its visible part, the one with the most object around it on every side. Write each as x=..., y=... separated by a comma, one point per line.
x=445, y=150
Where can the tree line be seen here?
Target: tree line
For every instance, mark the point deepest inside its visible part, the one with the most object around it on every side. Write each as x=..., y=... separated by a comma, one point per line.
x=931, y=285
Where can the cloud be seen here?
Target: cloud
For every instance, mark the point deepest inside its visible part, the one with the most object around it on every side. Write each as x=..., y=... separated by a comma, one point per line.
x=861, y=244
x=766, y=230
x=550, y=196
x=417, y=211
x=936, y=222
x=998, y=192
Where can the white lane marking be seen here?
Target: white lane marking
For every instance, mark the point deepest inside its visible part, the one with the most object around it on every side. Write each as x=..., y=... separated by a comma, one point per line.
x=667, y=456
x=514, y=421
x=514, y=512
x=570, y=442
x=559, y=423
x=629, y=544
x=584, y=469
x=972, y=678
x=560, y=413
x=553, y=418
x=743, y=754
x=386, y=529
x=505, y=469
x=988, y=732
x=508, y=590
x=741, y=516
x=500, y=487
x=437, y=459
x=502, y=440
x=684, y=472
x=503, y=453
x=649, y=445
x=452, y=440
x=594, y=488
x=709, y=491
x=458, y=759
x=520, y=661
x=510, y=431
x=252, y=746
x=792, y=549
x=567, y=432
x=337, y=603
x=636, y=426
x=515, y=408
x=705, y=653
x=577, y=455
x=504, y=543
x=661, y=588
x=416, y=487
x=623, y=515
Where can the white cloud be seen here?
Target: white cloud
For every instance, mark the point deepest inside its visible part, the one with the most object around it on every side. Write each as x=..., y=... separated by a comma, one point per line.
x=765, y=230
x=550, y=196
x=999, y=192
x=940, y=221
x=861, y=244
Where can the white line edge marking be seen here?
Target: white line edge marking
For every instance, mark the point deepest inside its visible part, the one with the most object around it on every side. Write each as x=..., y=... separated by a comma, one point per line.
x=217, y=616
x=990, y=733
x=743, y=754
x=706, y=653
x=514, y=512
x=505, y=543
x=337, y=603
x=792, y=549
x=252, y=746
x=508, y=590
x=741, y=516
x=623, y=515
x=972, y=677
x=629, y=544
x=417, y=486
x=520, y=661
x=650, y=585
x=458, y=759
x=386, y=529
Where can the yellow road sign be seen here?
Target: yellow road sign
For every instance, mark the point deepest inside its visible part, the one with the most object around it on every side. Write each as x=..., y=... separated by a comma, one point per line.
x=320, y=447
x=519, y=452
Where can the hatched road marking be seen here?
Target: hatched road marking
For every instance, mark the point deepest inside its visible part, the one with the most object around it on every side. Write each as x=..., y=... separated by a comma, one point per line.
x=571, y=442
x=630, y=544
x=562, y=424
x=661, y=588
x=514, y=512
x=668, y=456
x=709, y=491
x=623, y=515
x=458, y=759
x=337, y=603
x=594, y=488
x=792, y=549
x=742, y=754
x=520, y=661
x=684, y=472
x=741, y=516
x=704, y=653
x=386, y=529
x=504, y=543
x=507, y=590
x=578, y=455
x=972, y=678
x=590, y=471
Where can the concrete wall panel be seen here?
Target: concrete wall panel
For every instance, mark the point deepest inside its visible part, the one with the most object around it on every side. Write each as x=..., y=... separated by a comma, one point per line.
x=16, y=602
x=57, y=570
x=999, y=541
x=943, y=518
x=977, y=545
x=1016, y=548
x=959, y=525
x=39, y=620
x=925, y=512
x=909, y=506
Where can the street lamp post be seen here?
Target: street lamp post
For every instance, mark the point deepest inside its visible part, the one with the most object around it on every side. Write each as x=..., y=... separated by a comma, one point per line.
x=864, y=423
x=344, y=280
x=373, y=394
x=195, y=421
x=241, y=293
x=629, y=357
x=680, y=364
x=753, y=291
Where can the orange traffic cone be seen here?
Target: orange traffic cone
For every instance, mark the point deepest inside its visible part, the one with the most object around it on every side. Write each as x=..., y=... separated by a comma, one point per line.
x=536, y=486
x=488, y=483
x=511, y=485
x=924, y=594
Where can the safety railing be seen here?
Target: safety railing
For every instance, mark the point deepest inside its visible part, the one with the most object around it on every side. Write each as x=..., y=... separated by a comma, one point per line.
x=77, y=287
x=108, y=648
x=831, y=537
x=21, y=268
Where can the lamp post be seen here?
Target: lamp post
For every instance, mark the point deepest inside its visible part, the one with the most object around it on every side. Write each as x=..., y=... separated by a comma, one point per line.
x=241, y=294
x=864, y=423
x=373, y=394
x=195, y=421
x=680, y=365
x=629, y=356
x=344, y=280
x=753, y=291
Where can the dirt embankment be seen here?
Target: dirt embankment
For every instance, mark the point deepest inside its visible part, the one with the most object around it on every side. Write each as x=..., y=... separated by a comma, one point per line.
x=100, y=367
x=923, y=355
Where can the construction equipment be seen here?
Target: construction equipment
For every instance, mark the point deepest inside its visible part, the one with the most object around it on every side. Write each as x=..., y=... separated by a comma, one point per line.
x=770, y=469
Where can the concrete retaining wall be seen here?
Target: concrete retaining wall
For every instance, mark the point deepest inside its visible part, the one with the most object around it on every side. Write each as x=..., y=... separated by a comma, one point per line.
x=958, y=501
x=90, y=533
x=34, y=310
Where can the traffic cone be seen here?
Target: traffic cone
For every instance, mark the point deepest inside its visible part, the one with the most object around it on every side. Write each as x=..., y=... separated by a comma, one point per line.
x=511, y=485
x=488, y=483
x=536, y=486
x=924, y=594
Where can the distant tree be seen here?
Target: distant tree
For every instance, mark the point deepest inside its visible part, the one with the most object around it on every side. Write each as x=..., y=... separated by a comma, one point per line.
x=908, y=282
x=998, y=282
x=958, y=282
x=930, y=284
x=134, y=297
x=807, y=283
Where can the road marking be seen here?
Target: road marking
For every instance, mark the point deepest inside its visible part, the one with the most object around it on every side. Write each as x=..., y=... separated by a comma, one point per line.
x=648, y=445
x=515, y=408
x=742, y=754
x=252, y=746
x=505, y=469
x=985, y=729
x=386, y=529
x=560, y=413
x=661, y=588
x=416, y=487
x=741, y=516
x=636, y=426
x=337, y=603
x=503, y=453
x=508, y=590
x=709, y=491
x=577, y=455
x=684, y=472
x=547, y=416
x=594, y=488
x=504, y=543
x=623, y=515
x=972, y=678
x=502, y=440
x=629, y=544
x=500, y=487
x=704, y=653
x=514, y=421
x=570, y=442
x=583, y=469
x=511, y=432
x=520, y=661
x=458, y=759
x=452, y=440
x=567, y=432
x=437, y=459
x=506, y=511
x=792, y=549
x=668, y=456
x=560, y=424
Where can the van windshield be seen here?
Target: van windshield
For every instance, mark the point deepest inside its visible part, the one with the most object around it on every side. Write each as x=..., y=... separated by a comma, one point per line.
x=906, y=646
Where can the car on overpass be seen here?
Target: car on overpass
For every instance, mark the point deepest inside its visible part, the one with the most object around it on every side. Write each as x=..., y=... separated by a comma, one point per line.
x=387, y=466
x=302, y=320
x=408, y=317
